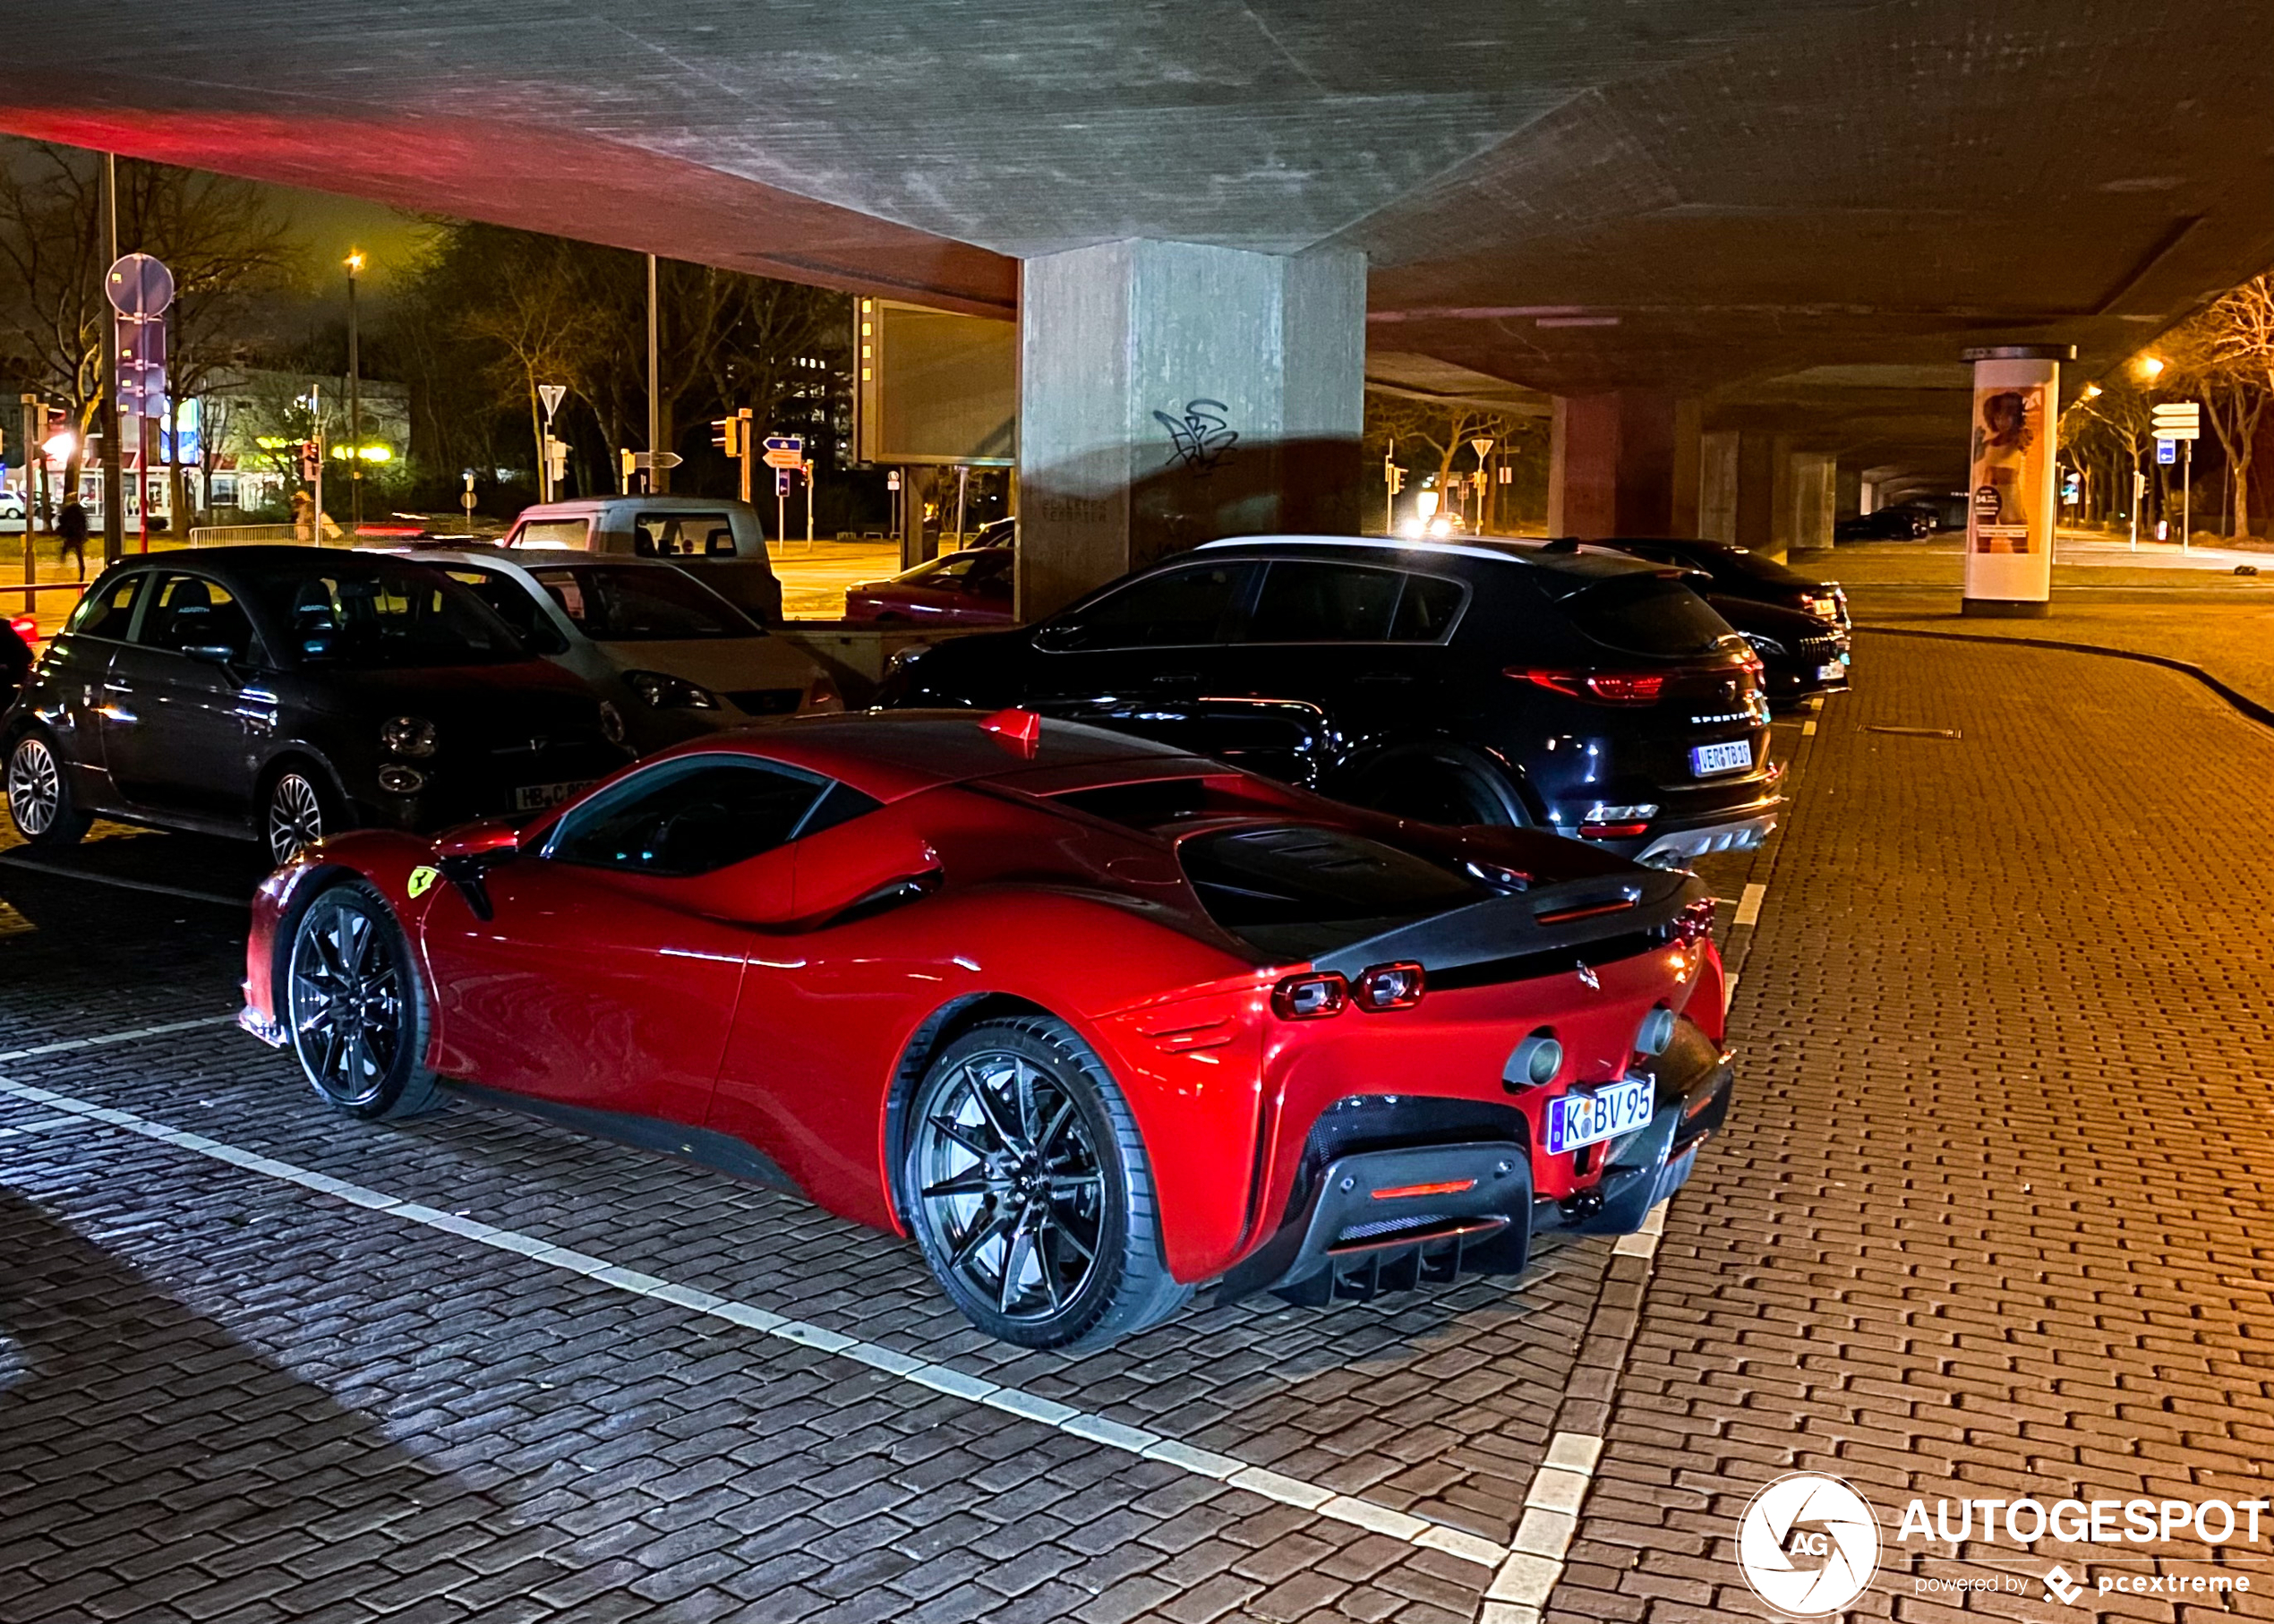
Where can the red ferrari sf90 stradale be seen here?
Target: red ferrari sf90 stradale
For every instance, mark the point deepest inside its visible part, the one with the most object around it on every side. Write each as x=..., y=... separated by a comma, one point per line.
x=1095, y=1021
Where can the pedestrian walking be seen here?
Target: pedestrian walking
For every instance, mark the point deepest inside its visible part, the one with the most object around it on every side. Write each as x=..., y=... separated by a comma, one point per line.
x=303, y=518
x=71, y=524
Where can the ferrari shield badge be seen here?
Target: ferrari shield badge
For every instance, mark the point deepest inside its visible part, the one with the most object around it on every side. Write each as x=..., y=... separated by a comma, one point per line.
x=422, y=879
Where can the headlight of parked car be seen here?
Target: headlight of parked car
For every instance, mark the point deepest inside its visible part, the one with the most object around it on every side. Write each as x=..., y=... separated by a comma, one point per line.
x=1764, y=645
x=670, y=693
x=407, y=736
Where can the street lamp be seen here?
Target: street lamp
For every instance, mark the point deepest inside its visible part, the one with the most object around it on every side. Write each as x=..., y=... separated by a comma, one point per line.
x=354, y=263
x=2149, y=368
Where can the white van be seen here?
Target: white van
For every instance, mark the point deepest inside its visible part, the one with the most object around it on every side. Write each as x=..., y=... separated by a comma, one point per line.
x=716, y=539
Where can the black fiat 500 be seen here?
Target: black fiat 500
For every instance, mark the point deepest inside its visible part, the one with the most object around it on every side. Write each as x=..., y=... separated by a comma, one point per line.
x=1488, y=683
x=286, y=693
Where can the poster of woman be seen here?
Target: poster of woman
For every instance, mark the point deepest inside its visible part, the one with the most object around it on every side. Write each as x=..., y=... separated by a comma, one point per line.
x=2009, y=466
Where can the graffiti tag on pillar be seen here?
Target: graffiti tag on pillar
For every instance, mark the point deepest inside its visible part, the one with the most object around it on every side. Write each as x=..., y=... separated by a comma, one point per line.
x=1201, y=438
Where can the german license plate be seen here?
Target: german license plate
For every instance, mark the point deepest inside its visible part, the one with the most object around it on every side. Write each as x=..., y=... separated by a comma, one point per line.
x=536, y=798
x=1707, y=759
x=1579, y=1119
x=1827, y=673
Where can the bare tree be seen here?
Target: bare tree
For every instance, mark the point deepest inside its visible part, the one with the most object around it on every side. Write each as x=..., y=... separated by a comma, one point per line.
x=2114, y=420
x=2225, y=356
x=1446, y=427
x=225, y=242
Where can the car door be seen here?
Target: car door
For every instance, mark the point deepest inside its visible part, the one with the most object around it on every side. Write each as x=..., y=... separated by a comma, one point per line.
x=605, y=973
x=179, y=728
x=1332, y=659
x=80, y=675
x=1144, y=657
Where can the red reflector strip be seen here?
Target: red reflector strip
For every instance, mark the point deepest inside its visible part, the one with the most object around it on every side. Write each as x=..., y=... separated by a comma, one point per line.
x=1452, y=1187
x=1611, y=832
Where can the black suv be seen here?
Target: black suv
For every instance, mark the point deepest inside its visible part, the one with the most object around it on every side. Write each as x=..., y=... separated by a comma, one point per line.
x=1737, y=573
x=1488, y=683
x=285, y=693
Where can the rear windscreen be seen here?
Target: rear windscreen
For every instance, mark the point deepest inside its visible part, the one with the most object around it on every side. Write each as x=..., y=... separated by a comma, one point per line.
x=1647, y=614
x=1297, y=893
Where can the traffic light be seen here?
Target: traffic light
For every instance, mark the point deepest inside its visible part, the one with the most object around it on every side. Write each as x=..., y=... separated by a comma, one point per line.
x=1394, y=474
x=310, y=460
x=556, y=459
x=728, y=434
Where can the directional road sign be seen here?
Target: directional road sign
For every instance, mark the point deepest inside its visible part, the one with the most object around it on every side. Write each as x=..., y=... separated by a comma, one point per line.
x=2167, y=452
x=663, y=460
x=2178, y=420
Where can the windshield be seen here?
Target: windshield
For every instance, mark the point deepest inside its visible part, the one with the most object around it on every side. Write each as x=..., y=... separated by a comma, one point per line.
x=1647, y=614
x=1297, y=893
x=385, y=614
x=621, y=604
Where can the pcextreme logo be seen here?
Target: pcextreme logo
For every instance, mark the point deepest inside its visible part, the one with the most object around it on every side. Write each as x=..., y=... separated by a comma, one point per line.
x=1808, y=1544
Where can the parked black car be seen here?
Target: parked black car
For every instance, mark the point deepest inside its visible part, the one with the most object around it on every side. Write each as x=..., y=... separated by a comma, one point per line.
x=1456, y=682
x=1803, y=655
x=1884, y=524
x=286, y=693
x=1736, y=573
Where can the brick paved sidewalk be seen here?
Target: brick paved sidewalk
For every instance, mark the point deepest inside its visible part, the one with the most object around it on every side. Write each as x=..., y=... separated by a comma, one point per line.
x=1990, y=1217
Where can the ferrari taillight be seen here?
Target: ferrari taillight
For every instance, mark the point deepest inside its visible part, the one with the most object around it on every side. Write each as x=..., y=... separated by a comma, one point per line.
x=1598, y=687
x=1310, y=998
x=1389, y=986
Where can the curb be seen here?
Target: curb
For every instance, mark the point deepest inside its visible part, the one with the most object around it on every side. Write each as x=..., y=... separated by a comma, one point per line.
x=2243, y=703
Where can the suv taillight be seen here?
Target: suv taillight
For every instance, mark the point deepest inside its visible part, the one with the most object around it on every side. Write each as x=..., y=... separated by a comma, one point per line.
x=1598, y=687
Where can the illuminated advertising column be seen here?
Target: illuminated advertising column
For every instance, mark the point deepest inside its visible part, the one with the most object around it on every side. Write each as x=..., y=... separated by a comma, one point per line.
x=2011, y=496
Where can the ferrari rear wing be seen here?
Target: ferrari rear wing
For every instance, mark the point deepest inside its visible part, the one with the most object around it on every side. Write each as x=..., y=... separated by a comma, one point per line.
x=1541, y=931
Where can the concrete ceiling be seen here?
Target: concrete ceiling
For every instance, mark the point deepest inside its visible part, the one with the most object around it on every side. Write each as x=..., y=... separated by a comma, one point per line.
x=1749, y=198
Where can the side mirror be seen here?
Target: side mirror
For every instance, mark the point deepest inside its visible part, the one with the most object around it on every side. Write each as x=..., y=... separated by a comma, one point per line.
x=489, y=840
x=1056, y=637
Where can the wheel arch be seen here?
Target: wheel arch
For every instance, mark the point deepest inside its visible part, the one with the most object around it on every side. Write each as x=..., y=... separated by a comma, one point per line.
x=934, y=1033
x=1442, y=746
x=307, y=885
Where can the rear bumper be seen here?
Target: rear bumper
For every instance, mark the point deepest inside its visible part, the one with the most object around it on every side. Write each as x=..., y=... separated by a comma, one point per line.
x=1678, y=847
x=1400, y=1218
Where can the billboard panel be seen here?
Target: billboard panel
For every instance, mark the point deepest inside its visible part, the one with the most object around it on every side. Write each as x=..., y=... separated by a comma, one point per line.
x=936, y=388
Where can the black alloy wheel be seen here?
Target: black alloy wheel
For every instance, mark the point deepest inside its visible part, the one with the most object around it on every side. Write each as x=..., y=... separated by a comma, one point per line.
x=40, y=803
x=296, y=815
x=1027, y=1186
x=354, y=1008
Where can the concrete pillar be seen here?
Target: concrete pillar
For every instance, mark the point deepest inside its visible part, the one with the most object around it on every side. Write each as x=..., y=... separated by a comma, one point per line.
x=1624, y=463
x=1171, y=393
x=1805, y=494
x=1737, y=487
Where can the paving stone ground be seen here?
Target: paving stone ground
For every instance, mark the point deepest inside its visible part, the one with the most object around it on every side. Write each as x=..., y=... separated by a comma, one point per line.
x=1991, y=1212
x=1993, y=1215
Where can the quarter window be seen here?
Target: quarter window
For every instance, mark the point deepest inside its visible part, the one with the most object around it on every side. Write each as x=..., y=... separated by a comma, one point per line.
x=701, y=813
x=1427, y=609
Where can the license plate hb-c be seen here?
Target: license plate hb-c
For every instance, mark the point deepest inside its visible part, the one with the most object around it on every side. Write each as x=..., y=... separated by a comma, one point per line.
x=536, y=798
x=1707, y=759
x=1585, y=1119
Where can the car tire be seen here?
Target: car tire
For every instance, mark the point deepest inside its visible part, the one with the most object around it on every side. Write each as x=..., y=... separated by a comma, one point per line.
x=354, y=1007
x=1449, y=786
x=41, y=803
x=296, y=812
x=1021, y=1155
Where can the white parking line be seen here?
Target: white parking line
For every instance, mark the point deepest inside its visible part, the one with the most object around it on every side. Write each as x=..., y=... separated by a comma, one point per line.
x=1749, y=906
x=1134, y=1440
x=142, y=1031
x=1520, y=1588
x=14, y=860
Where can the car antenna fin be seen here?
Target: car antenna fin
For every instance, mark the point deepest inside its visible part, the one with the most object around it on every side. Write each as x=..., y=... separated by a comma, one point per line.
x=1021, y=729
